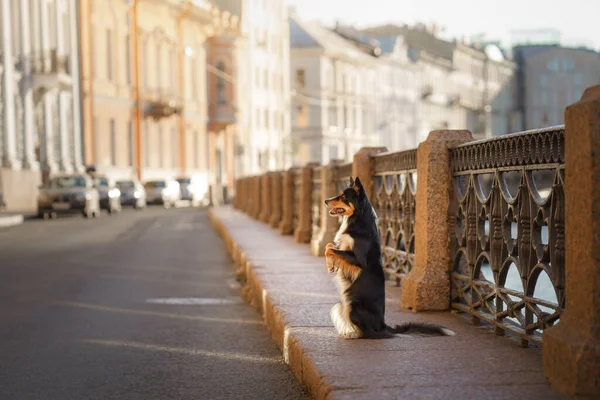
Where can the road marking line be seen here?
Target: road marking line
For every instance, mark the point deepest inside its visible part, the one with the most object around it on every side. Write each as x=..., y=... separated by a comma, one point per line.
x=193, y=301
x=182, y=350
x=95, y=307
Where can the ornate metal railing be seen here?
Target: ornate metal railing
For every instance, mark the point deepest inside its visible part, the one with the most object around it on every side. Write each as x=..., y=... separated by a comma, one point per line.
x=317, y=204
x=394, y=191
x=507, y=231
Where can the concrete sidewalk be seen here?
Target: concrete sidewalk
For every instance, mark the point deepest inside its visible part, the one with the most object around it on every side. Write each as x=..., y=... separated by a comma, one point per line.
x=294, y=293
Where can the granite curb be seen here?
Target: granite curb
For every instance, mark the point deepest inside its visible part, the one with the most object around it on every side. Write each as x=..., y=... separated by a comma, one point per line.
x=295, y=297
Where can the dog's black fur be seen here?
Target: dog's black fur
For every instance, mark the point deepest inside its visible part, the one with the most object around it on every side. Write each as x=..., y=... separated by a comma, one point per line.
x=356, y=260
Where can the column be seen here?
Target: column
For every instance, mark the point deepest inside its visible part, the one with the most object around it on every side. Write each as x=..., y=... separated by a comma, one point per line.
x=49, y=162
x=60, y=37
x=64, y=103
x=77, y=132
x=29, y=160
x=303, y=231
x=9, y=157
x=427, y=286
x=571, y=351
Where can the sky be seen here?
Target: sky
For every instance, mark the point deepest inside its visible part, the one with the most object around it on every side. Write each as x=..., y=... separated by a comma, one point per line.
x=576, y=20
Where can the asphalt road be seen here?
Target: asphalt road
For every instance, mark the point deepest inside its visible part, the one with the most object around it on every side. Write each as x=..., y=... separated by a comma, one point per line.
x=89, y=309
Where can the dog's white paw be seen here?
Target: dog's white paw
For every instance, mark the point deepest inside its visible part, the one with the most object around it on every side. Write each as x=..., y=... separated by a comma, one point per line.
x=350, y=335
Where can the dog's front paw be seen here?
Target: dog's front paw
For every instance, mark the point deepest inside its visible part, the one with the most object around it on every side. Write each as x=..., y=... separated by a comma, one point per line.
x=330, y=261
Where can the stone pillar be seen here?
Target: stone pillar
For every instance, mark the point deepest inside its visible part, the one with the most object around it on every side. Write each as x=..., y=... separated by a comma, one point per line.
x=256, y=197
x=427, y=286
x=304, y=229
x=571, y=351
x=265, y=198
x=276, y=198
x=29, y=160
x=329, y=225
x=9, y=156
x=362, y=167
x=77, y=132
x=286, y=227
x=49, y=162
x=60, y=37
x=64, y=102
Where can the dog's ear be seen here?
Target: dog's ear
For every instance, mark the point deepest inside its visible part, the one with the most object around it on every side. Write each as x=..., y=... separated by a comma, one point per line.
x=351, y=182
x=358, y=187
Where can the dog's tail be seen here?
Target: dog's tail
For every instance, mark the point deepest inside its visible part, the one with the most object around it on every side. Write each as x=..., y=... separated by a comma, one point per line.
x=420, y=328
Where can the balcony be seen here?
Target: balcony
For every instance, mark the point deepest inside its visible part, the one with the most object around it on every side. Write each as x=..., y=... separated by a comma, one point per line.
x=161, y=103
x=221, y=114
x=49, y=69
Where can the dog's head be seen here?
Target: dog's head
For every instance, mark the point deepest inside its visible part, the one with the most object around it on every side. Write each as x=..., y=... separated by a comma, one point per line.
x=348, y=201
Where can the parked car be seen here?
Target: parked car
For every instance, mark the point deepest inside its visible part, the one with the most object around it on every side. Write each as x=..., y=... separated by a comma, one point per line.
x=132, y=193
x=162, y=191
x=110, y=195
x=68, y=193
x=190, y=190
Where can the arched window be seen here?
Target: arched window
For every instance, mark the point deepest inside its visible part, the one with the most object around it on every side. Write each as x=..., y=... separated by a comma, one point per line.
x=221, y=85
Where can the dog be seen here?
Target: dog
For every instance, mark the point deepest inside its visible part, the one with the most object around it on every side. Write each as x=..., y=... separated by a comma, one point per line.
x=355, y=260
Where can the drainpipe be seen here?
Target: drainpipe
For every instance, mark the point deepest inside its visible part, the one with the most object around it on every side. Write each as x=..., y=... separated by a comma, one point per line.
x=180, y=67
x=136, y=92
x=90, y=86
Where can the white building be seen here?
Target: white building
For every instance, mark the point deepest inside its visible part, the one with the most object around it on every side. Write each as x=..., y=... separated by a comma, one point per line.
x=264, y=114
x=463, y=86
x=40, y=107
x=333, y=94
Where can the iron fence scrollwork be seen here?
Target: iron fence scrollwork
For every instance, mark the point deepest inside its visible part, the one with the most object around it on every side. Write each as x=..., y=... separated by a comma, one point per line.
x=394, y=200
x=507, y=231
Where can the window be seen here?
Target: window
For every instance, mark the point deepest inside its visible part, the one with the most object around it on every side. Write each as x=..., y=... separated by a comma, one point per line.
x=174, y=148
x=158, y=66
x=160, y=147
x=109, y=60
x=145, y=63
x=146, y=144
x=130, y=139
x=127, y=60
x=113, y=143
x=173, y=64
x=221, y=85
x=300, y=79
x=196, y=150
x=544, y=81
x=333, y=152
x=96, y=132
x=302, y=116
x=544, y=98
x=267, y=119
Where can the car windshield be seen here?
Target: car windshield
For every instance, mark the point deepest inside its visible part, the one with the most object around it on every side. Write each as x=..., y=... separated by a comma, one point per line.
x=155, y=184
x=68, y=182
x=126, y=185
x=185, y=181
x=101, y=181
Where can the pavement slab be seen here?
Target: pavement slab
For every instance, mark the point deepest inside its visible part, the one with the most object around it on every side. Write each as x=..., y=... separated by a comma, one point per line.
x=294, y=293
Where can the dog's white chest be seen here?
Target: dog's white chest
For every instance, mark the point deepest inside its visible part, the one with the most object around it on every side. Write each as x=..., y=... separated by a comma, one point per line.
x=342, y=240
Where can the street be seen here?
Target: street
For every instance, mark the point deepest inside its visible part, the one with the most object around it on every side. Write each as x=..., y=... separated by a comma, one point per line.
x=142, y=305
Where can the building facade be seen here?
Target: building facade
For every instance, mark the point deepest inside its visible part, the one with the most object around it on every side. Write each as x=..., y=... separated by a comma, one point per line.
x=40, y=109
x=397, y=88
x=462, y=85
x=551, y=77
x=225, y=57
x=333, y=95
x=144, y=80
x=264, y=115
